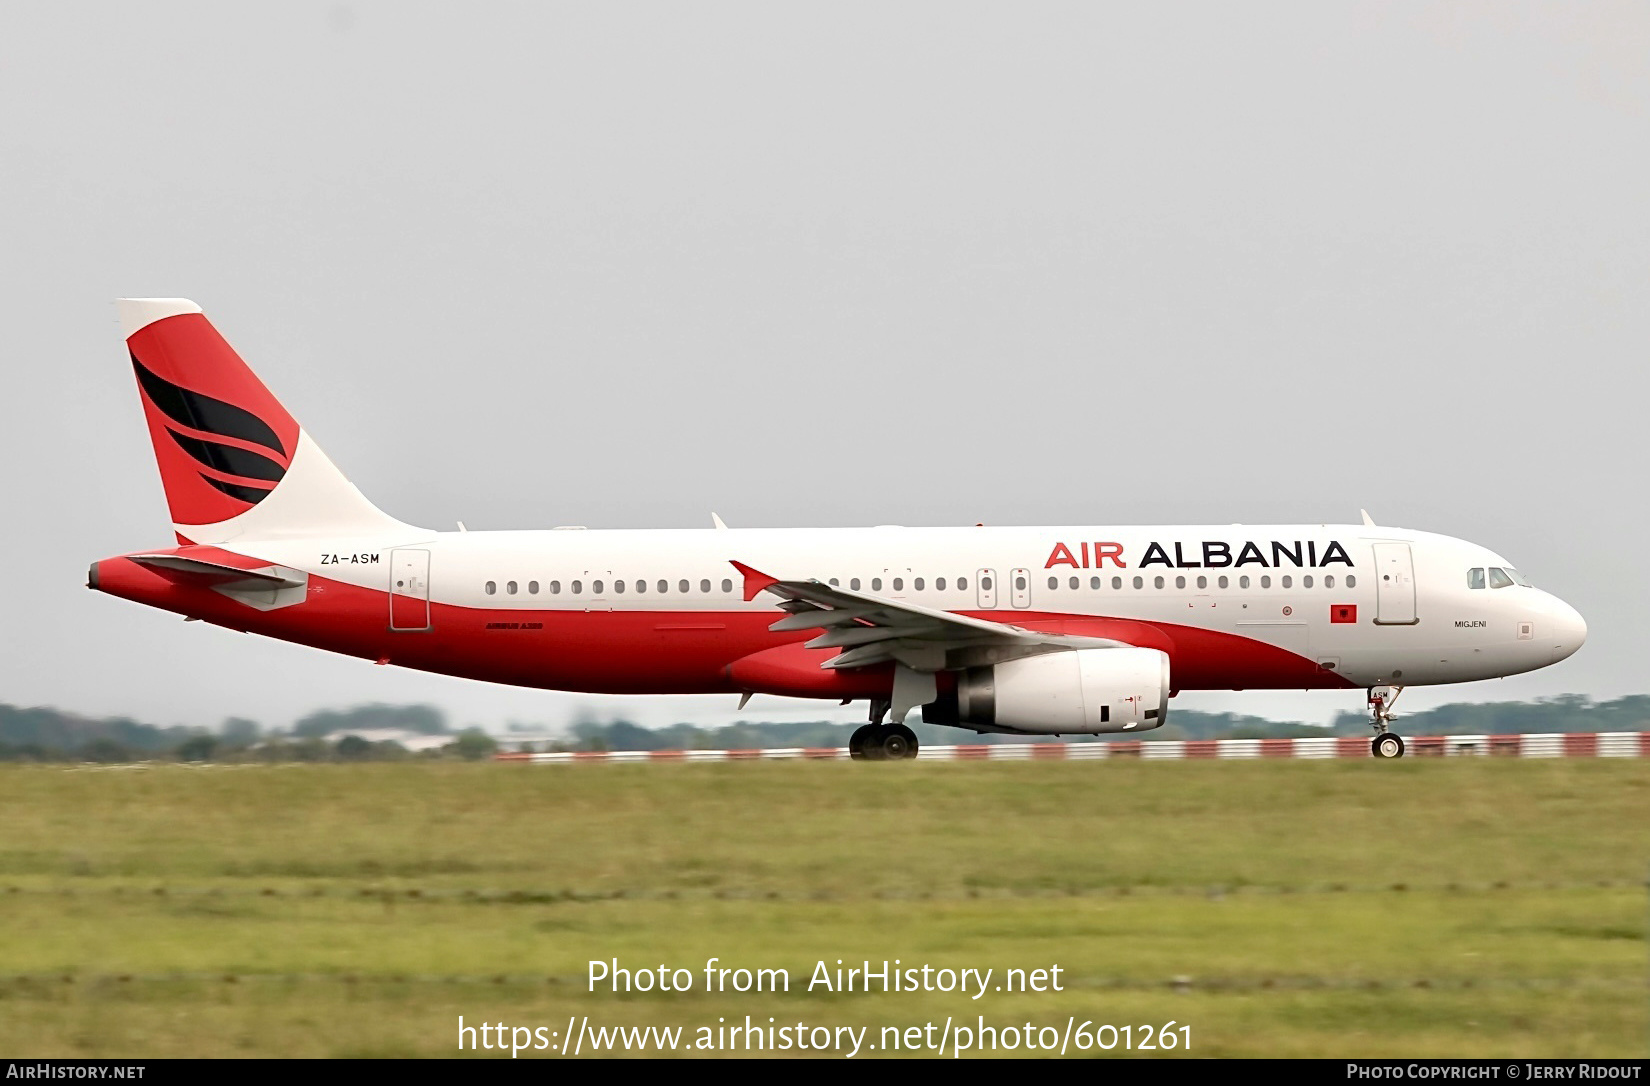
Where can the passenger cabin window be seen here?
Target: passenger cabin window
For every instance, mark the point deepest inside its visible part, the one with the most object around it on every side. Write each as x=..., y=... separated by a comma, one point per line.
x=664, y=587
x=704, y=586
x=899, y=584
x=985, y=584
x=1019, y=584
x=1139, y=582
x=1223, y=582
x=1329, y=580
x=1243, y=581
x=853, y=584
x=1094, y=583
x=492, y=586
x=1117, y=582
x=1351, y=581
x=727, y=585
x=917, y=584
x=1157, y=581
x=876, y=584
x=1499, y=578
x=596, y=587
x=1306, y=581
x=1074, y=583
x=510, y=588
x=533, y=588
x=1475, y=577
x=939, y=584
x=1180, y=582
x=1266, y=580
x=1054, y=582
x=683, y=586
x=577, y=587
x=618, y=586
x=834, y=583
x=962, y=584
x=1203, y=582
x=1287, y=581
x=555, y=588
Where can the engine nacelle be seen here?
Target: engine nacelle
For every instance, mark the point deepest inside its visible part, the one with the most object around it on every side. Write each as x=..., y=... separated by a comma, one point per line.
x=1076, y=691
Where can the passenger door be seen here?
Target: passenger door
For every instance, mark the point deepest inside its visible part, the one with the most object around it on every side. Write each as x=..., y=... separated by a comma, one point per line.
x=409, y=590
x=1394, y=585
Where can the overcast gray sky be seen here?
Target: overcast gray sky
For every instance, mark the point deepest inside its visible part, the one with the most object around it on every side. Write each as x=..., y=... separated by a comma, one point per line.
x=612, y=264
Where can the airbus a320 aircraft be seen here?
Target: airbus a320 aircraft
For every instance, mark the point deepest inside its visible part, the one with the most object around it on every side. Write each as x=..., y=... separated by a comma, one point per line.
x=1031, y=631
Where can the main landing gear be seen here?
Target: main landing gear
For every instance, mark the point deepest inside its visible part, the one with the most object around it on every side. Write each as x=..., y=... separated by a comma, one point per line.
x=882, y=743
x=878, y=742
x=1386, y=744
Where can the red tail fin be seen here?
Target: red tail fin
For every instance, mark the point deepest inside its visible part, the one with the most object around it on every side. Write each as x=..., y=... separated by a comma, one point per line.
x=232, y=460
x=222, y=441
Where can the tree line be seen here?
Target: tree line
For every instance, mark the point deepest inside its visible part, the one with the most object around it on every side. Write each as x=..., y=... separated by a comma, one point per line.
x=42, y=734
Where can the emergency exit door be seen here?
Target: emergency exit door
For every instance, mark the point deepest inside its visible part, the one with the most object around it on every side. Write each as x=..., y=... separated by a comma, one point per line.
x=985, y=583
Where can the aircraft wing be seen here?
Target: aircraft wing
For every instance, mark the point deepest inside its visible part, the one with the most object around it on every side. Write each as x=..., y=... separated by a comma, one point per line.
x=876, y=630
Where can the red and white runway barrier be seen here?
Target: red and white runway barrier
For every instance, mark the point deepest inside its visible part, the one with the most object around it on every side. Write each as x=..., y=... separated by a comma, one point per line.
x=1540, y=745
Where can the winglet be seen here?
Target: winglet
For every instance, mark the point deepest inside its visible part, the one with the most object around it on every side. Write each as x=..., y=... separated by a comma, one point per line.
x=755, y=579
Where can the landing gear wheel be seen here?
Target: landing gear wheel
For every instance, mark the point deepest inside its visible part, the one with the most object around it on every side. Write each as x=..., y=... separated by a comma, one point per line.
x=898, y=742
x=1387, y=745
x=860, y=742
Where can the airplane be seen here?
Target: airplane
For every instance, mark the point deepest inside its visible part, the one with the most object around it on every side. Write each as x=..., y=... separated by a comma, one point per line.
x=1056, y=630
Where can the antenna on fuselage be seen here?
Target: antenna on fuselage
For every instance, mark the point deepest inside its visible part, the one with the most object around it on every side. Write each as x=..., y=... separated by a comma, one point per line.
x=717, y=522
x=1367, y=522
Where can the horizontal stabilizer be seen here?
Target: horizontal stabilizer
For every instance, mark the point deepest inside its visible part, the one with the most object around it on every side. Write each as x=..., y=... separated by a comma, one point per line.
x=199, y=571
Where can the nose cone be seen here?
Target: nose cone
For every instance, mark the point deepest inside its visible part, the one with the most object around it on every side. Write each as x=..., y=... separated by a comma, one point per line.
x=1569, y=630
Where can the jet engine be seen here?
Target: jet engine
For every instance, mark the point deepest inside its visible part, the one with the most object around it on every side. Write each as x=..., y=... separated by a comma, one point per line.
x=1082, y=691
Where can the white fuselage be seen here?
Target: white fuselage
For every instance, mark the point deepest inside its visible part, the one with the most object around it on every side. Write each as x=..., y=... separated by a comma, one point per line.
x=1284, y=586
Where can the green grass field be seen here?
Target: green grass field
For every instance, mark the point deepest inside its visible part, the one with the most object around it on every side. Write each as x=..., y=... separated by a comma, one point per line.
x=1433, y=907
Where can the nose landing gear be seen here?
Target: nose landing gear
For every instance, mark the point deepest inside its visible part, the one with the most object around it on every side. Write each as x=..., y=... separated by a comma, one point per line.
x=1386, y=744
x=879, y=742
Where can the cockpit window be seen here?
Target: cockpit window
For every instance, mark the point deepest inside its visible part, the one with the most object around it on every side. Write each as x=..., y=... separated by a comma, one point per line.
x=1475, y=577
x=1499, y=578
x=1519, y=578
